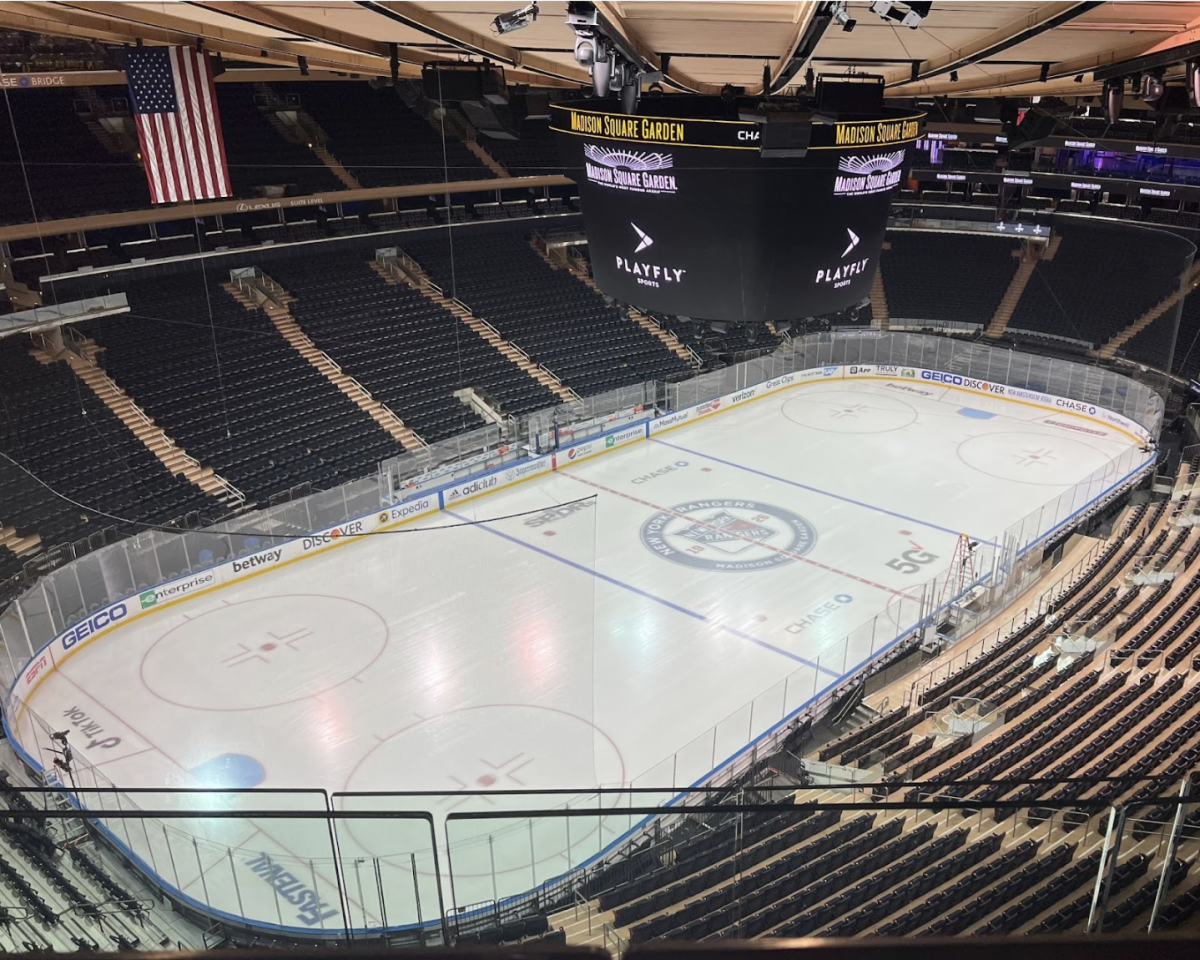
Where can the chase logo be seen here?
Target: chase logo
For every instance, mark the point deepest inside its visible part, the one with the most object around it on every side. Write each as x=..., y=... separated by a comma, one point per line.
x=730, y=536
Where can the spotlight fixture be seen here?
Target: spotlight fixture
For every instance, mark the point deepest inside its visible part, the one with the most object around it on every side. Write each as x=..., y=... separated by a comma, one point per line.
x=516, y=20
x=1114, y=99
x=1152, y=88
x=614, y=65
x=1193, y=82
x=842, y=16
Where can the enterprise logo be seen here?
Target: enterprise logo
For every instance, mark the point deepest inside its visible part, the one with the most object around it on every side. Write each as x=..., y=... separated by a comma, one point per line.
x=631, y=171
x=869, y=174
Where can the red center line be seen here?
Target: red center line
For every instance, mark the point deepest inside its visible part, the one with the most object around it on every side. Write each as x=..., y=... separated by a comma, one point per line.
x=701, y=523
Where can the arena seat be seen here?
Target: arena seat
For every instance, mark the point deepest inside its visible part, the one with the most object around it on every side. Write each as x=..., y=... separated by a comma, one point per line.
x=379, y=139
x=555, y=318
x=408, y=351
x=233, y=393
x=916, y=266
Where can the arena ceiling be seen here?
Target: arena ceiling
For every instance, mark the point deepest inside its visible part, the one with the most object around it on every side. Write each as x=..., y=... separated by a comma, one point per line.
x=993, y=48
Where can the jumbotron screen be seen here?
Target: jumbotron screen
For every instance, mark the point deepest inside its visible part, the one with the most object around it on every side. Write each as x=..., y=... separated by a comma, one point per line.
x=684, y=216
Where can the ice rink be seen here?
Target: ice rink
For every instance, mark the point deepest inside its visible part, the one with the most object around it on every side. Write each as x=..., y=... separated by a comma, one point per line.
x=594, y=631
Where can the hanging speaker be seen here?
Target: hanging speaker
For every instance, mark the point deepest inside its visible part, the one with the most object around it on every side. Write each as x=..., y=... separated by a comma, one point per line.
x=1114, y=99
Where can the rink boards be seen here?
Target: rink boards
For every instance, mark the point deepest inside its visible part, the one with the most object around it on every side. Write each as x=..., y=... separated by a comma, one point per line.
x=105, y=620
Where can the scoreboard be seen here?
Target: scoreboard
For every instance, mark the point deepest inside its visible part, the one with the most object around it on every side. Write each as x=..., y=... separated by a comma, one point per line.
x=686, y=216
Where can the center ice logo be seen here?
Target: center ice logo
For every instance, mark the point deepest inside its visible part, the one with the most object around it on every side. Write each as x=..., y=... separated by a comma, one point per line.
x=728, y=535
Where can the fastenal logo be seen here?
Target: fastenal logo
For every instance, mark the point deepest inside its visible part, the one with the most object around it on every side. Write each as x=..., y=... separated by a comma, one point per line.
x=729, y=536
x=869, y=174
x=631, y=171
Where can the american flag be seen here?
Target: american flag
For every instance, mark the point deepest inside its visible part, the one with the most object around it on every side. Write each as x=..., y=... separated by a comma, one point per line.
x=175, y=108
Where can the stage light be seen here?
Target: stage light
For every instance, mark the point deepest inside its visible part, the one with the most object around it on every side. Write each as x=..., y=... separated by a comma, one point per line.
x=1152, y=88
x=911, y=18
x=1114, y=99
x=516, y=20
x=1193, y=82
x=841, y=15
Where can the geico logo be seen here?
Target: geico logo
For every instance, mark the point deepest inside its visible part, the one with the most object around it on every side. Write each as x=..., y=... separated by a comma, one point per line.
x=555, y=514
x=953, y=378
x=475, y=486
x=661, y=471
x=258, y=560
x=329, y=536
x=1075, y=405
x=751, y=135
x=97, y=621
x=407, y=509
x=739, y=397
x=38, y=666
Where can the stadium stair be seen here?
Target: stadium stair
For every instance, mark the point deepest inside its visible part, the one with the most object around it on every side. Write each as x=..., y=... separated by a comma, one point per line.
x=119, y=145
x=306, y=130
x=1012, y=296
x=15, y=543
x=79, y=354
x=879, y=304
x=419, y=281
x=1187, y=283
x=666, y=337
x=276, y=309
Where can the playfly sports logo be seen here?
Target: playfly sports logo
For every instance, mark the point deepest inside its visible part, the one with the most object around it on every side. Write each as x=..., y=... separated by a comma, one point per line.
x=630, y=171
x=841, y=275
x=730, y=536
x=645, y=272
x=864, y=175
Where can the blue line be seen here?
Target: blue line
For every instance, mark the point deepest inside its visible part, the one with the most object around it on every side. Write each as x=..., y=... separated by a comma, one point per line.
x=824, y=493
x=642, y=593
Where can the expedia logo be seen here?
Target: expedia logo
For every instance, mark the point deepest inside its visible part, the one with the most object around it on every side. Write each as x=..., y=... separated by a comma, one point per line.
x=264, y=559
x=329, y=536
x=406, y=509
x=475, y=486
x=97, y=621
x=554, y=514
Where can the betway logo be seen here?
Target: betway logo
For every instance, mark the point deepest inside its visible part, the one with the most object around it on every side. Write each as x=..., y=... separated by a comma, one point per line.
x=329, y=536
x=264, y=559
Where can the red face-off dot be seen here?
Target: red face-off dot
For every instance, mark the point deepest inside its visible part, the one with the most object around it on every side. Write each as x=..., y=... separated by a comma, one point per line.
x=486, y=780
x=267, y=647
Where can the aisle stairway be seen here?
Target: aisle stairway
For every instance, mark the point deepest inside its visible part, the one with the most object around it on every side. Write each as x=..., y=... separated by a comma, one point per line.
x=1188, y=282
x=420, y=282
x=879, y=304
x=308, y=132
x=276, y=309
x=1008, y=303
x=666, y=337
x=80, y=355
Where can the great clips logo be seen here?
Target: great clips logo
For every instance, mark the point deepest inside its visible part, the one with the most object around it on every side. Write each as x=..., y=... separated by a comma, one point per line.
x=631, y=171
x=841, y=275
x=860, y=176
x=644, y=269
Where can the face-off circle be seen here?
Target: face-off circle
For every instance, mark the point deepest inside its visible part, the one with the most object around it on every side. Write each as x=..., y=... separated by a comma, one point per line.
x=493, y=747
x=1043, y=461
x=730, y=536
x=844, y=411
x=264, y=652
